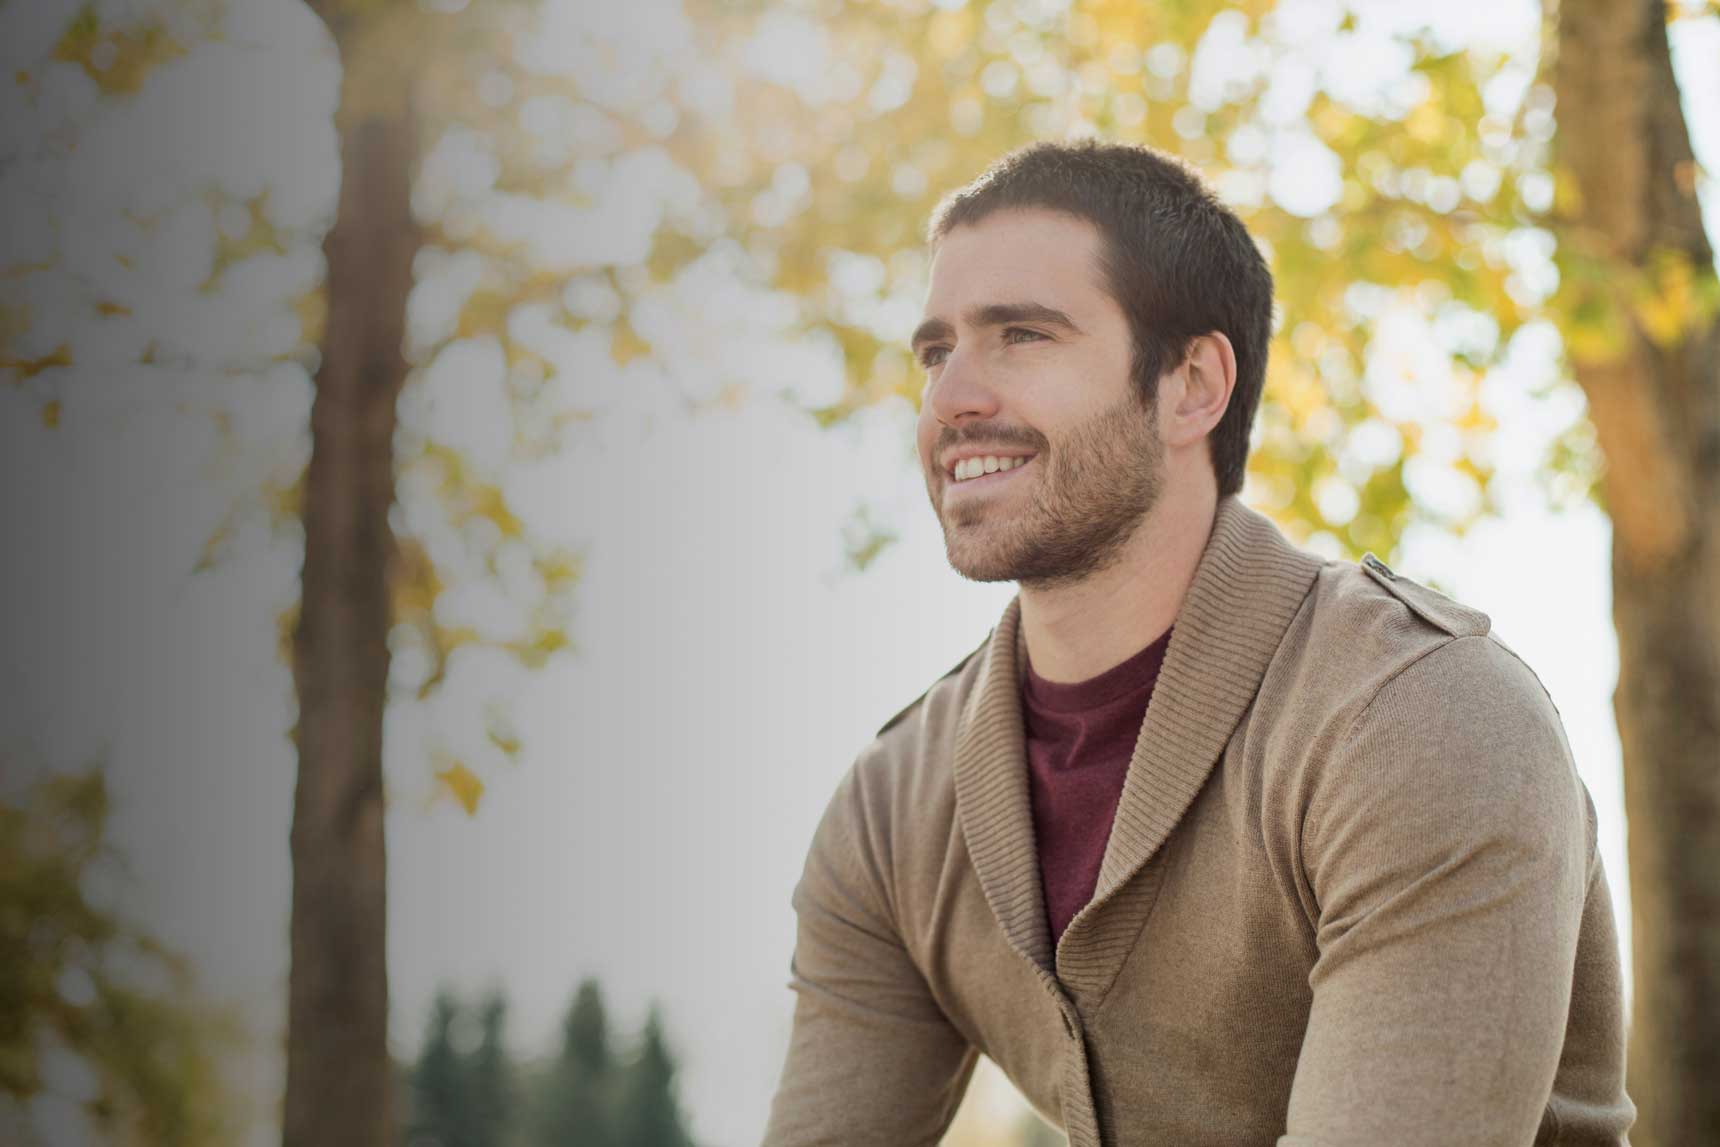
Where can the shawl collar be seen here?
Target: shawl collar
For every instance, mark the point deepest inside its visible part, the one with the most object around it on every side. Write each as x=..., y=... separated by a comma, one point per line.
x=1247, y=587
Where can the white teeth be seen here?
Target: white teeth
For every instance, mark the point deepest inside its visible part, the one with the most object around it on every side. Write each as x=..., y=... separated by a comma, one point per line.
x=989, y=464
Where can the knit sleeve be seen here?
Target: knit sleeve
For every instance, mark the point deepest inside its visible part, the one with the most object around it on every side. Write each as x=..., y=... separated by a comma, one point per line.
x=1448, y=848
x=871, y=1059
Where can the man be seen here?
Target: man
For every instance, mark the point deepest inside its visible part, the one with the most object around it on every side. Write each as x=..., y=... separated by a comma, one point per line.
x=1212, y=840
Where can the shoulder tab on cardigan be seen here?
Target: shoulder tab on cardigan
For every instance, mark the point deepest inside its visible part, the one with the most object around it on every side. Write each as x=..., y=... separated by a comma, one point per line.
x=915, y=703
x=1430, y=605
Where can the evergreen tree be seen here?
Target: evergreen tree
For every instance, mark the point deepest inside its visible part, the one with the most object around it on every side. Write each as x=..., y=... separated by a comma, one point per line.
x=575, y=1105
x=585, y=1033
x=649, y=1114
x=489, y=1078
x=440, y=1114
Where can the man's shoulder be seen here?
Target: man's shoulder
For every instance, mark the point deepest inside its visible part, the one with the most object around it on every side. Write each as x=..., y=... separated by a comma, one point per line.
x=1363, y=627
x=1368, y=595
x=1459, y=620
x=1427, y=604
x=905, y=774
x=1398, y=727
x=1404, y=673
x=908, y=766
x=948, y=683
x=1365, y=623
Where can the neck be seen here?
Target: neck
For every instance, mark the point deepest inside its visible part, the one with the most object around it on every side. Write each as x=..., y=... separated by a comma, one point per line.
x=1079, y=630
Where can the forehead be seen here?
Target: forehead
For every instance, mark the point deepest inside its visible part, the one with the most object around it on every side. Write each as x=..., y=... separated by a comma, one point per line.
x=1019, y=254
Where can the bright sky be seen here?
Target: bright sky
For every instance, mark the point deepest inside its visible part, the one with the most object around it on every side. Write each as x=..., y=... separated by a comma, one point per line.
x=728, y=668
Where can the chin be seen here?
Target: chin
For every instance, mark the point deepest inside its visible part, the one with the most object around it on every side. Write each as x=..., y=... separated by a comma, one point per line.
x=981, y=573
x=977, y=558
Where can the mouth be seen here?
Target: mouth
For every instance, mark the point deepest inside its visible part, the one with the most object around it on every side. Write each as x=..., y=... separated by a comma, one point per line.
x=954, y=487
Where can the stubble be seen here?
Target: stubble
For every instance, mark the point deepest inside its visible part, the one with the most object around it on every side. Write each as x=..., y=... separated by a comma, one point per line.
x=1093, y=491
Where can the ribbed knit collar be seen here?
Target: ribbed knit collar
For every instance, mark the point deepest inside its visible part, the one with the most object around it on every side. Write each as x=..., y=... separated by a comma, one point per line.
x=1247, y=587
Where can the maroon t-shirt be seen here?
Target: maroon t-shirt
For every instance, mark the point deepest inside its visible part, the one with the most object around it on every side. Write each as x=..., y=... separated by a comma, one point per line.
x=1080, y=737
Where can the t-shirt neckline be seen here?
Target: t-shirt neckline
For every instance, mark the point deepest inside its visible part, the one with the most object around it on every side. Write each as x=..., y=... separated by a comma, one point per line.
x=1115, y=682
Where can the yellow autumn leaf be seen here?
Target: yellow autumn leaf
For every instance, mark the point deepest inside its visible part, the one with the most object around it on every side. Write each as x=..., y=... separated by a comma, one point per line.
x=504, y=740
x=311, y=309
x=1666, y=302
x=463, y=785
x=485, y=312
x=625, y=344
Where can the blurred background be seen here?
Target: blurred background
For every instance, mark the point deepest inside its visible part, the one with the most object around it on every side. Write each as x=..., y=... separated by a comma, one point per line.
x=461, y=518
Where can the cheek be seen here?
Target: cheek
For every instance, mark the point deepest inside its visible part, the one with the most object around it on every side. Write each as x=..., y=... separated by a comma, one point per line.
x=926, y=434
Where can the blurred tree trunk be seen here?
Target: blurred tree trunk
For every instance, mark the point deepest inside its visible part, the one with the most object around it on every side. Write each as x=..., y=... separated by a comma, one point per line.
x=339, y=1075
x=1654, y=399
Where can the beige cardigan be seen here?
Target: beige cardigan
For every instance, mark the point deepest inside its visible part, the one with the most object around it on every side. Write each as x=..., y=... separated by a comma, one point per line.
x=1351, y=894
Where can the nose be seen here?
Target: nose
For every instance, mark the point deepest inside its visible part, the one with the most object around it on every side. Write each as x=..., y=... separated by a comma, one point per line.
x=961, y=392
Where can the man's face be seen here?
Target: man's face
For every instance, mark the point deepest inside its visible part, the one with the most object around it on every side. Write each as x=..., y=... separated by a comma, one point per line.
x=1027, y=358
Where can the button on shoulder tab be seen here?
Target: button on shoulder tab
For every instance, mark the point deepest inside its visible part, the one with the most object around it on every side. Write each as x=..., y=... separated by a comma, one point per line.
x=1430, y=605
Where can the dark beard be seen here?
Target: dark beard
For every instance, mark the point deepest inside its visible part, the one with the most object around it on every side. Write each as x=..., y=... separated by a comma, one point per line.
x=1096, y=489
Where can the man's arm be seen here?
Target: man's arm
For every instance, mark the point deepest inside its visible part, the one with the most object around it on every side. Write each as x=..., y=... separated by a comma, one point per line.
x=872, y=1058
x=1447, y=845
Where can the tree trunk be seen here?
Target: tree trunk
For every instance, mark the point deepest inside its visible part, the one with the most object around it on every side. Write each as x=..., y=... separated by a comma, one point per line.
x=1655, y=404
x=339, y=1090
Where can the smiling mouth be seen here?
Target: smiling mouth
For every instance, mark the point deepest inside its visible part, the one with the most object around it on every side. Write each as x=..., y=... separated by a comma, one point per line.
x=987, y=481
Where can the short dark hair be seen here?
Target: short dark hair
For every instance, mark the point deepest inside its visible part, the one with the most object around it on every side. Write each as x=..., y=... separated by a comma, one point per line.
x=1177, y=260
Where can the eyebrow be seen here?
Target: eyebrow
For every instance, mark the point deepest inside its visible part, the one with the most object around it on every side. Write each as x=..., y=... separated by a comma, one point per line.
x=995, y=315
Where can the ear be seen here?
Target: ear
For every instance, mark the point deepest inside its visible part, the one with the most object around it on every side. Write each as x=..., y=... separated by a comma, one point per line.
x=1199, y=389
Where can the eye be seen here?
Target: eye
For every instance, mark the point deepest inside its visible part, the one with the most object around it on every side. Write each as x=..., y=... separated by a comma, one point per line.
x=1010, y=333
x=932, y=355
